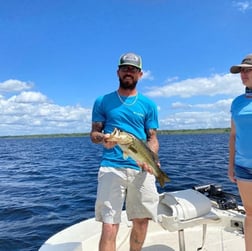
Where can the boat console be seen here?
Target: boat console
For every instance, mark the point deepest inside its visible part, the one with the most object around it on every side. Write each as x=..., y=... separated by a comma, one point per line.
x=183, y=209
x=197, y=206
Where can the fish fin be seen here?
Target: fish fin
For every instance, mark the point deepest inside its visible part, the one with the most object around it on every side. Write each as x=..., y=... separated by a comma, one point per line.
x=162, y=178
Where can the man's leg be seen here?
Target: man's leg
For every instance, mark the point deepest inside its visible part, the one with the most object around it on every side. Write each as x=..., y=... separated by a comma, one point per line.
x=138, y=234
x=108, y=237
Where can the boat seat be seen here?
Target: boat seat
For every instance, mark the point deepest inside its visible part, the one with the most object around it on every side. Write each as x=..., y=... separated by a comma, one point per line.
x=183, y=209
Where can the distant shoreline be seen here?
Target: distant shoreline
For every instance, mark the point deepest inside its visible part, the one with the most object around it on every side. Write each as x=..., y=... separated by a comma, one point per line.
x=195, y=131
x=160, y=132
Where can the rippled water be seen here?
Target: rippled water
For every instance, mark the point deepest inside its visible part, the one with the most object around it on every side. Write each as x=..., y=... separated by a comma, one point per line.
x=49, y=184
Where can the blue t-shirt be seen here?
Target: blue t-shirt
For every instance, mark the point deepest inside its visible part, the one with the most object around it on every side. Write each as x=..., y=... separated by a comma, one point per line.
x=241, y=110
x=136, y=115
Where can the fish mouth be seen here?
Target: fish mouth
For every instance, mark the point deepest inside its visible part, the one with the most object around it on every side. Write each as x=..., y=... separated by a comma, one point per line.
x=115, y=133
x=120, y=137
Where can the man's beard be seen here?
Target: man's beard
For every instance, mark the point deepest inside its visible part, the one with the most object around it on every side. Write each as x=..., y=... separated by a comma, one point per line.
x=126, y=85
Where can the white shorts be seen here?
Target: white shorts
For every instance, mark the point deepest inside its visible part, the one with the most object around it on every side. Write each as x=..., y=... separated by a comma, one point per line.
x=118, y=185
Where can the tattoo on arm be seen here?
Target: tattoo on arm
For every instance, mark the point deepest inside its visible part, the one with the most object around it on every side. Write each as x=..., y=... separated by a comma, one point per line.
x=96, y=133
x=152, y=140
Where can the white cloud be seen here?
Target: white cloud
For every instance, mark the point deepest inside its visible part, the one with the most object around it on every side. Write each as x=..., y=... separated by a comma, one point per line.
x=33, y=113
x=195, y=116
x=200, y=102
x=29, y=97
x=228, y=84
x=13, y=85
x=243, y=5
x=196, y=120
x=42, y=118
x=147, y=75
x=219, y=105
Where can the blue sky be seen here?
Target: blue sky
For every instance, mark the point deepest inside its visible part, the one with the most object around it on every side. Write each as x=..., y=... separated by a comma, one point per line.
x=57, y=56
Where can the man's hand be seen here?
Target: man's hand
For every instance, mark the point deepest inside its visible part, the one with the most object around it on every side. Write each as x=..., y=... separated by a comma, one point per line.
x=108, y=144
x=146, y=167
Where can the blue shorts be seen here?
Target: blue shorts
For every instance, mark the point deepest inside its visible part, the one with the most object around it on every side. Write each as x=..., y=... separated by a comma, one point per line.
x=243, y=173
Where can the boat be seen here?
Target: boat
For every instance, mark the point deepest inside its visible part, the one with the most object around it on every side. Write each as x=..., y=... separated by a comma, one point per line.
x=201, y=218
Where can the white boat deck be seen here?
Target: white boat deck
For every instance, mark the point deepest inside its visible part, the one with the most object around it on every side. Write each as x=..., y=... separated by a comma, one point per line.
x=85, y=235
x=181, y=214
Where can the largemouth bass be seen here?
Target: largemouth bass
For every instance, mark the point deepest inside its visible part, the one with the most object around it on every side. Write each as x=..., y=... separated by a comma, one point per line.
x=138, y=151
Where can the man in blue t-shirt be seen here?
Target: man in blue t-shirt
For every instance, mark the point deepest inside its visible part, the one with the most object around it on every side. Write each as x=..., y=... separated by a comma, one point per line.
x=122, y=180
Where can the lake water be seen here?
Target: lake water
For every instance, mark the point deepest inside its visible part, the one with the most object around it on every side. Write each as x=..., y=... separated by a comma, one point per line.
x=49, y=184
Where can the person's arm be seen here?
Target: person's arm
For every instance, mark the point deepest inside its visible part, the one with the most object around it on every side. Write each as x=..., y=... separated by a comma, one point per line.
x=98, y=137
x=152, y=140
x=231, y=173
x=153, y=144
x=96, y=133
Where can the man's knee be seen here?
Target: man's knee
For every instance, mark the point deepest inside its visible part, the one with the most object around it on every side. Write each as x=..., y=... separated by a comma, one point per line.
x=140, y=223
x=109, y=231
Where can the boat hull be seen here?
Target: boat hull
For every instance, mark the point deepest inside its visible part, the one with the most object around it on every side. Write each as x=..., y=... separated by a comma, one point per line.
x=216, y=229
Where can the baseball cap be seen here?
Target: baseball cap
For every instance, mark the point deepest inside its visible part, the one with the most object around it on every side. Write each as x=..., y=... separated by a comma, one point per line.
x=246, y=63
x=131, y=59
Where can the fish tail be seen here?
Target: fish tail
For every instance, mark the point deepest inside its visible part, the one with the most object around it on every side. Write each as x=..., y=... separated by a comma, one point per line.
x=163, y=178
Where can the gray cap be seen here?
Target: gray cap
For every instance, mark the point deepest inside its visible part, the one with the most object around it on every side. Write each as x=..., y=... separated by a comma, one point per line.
x=131, y=59
x=246, y=63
